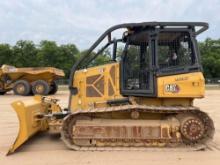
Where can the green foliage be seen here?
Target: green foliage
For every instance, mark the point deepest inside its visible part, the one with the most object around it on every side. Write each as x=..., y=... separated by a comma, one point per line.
x=102, y=59
x=24, y=54
x=210, y=53
x=67, y=57
x=6, y=54
x=92, y=60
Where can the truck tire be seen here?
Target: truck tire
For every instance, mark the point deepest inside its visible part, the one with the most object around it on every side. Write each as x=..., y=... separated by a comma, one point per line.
x=53, y=87
x=40, y=87
x=22, y=87
x=2, y=92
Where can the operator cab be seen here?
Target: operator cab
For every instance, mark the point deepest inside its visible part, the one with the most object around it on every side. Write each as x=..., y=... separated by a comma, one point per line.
x=150, y=50
x=156, y=52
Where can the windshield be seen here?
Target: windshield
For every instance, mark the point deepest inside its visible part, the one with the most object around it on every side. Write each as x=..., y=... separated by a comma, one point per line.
x=175, y=49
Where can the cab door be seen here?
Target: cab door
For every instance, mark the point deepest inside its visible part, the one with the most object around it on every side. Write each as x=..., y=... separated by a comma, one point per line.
x=138, y=67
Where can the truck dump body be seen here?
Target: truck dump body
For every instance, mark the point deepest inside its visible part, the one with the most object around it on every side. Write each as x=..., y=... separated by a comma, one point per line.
x=10, y=76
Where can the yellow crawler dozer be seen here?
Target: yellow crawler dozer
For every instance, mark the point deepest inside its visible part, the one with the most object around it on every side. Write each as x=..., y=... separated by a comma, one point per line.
x=26, y=81
x=142, y=98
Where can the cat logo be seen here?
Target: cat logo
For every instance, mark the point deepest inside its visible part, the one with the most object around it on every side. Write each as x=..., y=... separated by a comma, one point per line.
x=174, y=88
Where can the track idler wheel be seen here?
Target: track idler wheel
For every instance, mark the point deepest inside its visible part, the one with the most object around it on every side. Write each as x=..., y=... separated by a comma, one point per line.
x=191, y=128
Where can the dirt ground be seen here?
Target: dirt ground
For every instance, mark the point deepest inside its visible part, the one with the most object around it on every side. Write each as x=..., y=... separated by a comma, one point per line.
x=44, y=149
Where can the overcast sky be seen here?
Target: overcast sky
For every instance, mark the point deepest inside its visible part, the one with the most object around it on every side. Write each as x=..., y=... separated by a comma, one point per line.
x=81, y=22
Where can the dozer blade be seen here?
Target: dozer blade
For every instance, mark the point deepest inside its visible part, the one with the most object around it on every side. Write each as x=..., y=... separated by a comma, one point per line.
x=31, y=120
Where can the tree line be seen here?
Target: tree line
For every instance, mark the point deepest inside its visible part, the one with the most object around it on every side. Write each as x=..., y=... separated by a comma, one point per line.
x=210, y=56
x=48, y=53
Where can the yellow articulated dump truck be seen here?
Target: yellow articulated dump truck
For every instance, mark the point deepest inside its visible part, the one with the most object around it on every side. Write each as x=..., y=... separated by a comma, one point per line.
x=26, y=81
x=143, y=97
